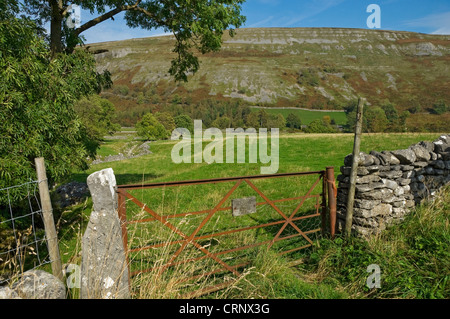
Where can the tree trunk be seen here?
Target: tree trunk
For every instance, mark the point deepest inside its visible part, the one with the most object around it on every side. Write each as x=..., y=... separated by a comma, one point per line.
x=56, y=28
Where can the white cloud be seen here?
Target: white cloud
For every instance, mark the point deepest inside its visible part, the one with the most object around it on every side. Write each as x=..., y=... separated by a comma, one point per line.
x=438, y=21
x=260, y=23
x=314, y=8
x=442, y=31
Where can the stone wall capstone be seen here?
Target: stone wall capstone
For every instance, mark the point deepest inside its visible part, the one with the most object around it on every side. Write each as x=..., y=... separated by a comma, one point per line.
x=390, y=184
x=104, y=271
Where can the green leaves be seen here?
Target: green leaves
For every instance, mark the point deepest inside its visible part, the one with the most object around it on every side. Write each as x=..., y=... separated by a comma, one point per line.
x=150, y=128
x=37, y=94
x=98, y=118
x=198, y=26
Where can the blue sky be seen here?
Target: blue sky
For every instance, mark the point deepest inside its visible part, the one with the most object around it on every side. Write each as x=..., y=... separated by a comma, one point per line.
x=431, y=17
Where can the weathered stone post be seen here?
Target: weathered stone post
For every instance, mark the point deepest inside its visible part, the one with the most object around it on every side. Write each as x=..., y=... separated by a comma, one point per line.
x=104, y=271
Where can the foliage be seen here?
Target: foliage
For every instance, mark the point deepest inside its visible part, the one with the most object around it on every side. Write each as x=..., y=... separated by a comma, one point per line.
x=166, y=119
x=121, y=89
x=98, y=117
x=413, y=256
x=276, y=121
x=150, y=128
x=197, y=28
x=222, y=122
x=377, y=119
x=37, y=94
x=253, y=120
x=293, y=121
x=308, y=76
x=319, y=126
x=261, y=119
x=415, y=107
x=440, y=107
x=184, y=121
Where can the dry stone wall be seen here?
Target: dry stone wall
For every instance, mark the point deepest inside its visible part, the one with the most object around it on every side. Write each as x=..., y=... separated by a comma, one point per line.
x=390, y=184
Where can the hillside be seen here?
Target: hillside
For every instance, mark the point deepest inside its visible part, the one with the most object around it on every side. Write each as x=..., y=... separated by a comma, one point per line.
x=316, y=68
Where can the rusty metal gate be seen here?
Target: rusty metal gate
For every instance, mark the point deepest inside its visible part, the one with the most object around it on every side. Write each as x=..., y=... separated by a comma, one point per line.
x=213, y=237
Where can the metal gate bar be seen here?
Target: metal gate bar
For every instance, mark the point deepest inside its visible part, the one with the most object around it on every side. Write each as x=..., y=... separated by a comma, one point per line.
x=123, y=194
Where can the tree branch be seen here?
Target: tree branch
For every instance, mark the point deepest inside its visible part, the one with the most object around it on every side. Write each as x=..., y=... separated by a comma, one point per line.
x=104, y=17
x=148, y=14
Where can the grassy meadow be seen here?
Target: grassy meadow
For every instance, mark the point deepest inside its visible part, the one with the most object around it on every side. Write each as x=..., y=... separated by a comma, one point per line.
x=308, y=273
x=297, y=152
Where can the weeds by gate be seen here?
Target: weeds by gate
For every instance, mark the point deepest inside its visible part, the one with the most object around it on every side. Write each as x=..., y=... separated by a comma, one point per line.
x=201, y=234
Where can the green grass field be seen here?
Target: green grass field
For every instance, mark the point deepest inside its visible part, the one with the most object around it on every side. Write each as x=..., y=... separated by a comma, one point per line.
x=268, y=275
x=297, y=152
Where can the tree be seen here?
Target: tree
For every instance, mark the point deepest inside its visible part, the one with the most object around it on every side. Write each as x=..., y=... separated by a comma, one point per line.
x=293, y=121
x=375, y=120
x=167, y=120
x=98, y=116
x=392, y=117
x=252, y=120
x=415, y=107
x=440, y=107
x=197, y=26
x=276, y=121
x=263, y=118
x=184, y=121
x=319, y=126
x=37, y=94
x=326, y=120
x=308, y=76
x=402, y=121
x=150, y=129
x=222, y=122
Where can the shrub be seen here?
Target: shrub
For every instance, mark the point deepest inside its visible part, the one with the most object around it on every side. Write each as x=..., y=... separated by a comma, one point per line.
x=413, y=256
x=293, y=121
x=121, y=89
x=221, y=122
x=166, y=119
x=319, y=126
x=150, y=128
x=440, y=107
x=184, y=121
x=308, y=76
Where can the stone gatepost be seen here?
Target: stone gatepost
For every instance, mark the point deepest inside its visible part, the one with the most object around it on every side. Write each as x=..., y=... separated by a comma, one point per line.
x=104, y=271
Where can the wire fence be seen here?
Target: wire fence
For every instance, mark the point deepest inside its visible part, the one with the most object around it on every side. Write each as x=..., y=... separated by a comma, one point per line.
x=23, y=244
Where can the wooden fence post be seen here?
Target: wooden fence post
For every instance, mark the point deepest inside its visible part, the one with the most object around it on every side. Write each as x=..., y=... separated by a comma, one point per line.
x=49, y=223
x=353, y=172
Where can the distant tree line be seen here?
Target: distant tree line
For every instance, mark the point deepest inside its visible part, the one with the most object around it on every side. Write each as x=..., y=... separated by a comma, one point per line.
x=223, y=114
x=384, y=118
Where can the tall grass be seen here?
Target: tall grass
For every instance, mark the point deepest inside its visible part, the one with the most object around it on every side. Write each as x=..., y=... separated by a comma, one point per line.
x=174, y=282
x=414, y=257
